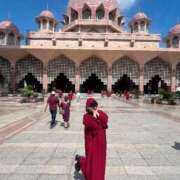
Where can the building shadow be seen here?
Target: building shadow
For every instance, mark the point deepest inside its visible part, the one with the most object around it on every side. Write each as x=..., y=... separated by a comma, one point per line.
x=176, y=146
x=78, y=176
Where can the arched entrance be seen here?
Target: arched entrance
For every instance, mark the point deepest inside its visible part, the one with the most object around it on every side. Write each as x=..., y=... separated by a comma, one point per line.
x=61, y=83
x=93, y=84
x=30, y=80
x=29, y=71
x=178, y=74
x=157, y=74
x=125, y=74
x=61, y=73
x=152, y=87
x=5, y=71
x=124, y=83
x=2, y=81
x=93, y=72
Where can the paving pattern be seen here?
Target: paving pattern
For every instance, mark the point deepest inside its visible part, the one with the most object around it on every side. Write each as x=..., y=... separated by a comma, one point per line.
x=142, y=144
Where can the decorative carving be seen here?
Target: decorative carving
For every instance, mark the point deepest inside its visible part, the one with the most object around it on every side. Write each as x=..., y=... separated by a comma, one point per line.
x=157, y=67
x=125, y=66
x=94, y=65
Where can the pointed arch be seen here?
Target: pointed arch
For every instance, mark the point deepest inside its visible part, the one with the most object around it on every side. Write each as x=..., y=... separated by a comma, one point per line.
x=125, y=66
x=100, y=12
x=178, y=74
x=29, y=65
x=61, y=64
x=93, y=65
x=5, y=71
x=157, y=66
x=112, y=14
x=74, y=14
x=86, y=12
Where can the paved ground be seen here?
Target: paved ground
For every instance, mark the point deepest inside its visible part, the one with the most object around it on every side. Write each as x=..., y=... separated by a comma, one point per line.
x=140, y=143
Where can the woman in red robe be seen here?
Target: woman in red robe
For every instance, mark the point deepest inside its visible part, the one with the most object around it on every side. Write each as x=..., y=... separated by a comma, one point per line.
x=94, y=163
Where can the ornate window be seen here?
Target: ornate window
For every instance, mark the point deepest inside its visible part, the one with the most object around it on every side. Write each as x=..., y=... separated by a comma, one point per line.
x=136, y=28
x=100, y=12
x=44, y=24
x=74, y=15
x=11, y=39
x=61, y=65
x=51, y=25
x=30, y=65
x=178, y=74
x=175, y=42
x=93, y=65
x=5, y=69
x=142, y=26
x=2, y=38
x=157, y=67
x=125, y=66
x=86, y=13
x=112, y=15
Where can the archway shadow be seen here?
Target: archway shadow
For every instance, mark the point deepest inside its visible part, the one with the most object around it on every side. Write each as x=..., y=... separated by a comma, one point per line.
x=176, y=146
x=124, y=83
x=62, y=83
x=152, y=87
x=78, y=176
x=31, y=80
x=93, y=83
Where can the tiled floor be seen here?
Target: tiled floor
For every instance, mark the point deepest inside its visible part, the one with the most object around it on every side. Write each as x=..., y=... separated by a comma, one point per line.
x=140, y=144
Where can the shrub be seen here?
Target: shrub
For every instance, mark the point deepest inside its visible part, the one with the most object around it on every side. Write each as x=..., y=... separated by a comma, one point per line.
x=136, y=93
x=165, y=95
x=27, y=91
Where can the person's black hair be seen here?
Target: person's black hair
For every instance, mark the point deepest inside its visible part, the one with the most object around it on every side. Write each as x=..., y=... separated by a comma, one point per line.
x=94, y=104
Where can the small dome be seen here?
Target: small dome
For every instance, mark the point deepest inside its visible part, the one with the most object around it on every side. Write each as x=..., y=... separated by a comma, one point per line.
x=140, y=16
x=47, y=14
x=175, y=30
x=9, y=25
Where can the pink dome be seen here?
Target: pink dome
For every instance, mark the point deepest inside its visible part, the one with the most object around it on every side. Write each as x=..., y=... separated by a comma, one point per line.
x=79, y=4
x=47, y=13
x=140, y=16
x=175, y=30
x=9, y=25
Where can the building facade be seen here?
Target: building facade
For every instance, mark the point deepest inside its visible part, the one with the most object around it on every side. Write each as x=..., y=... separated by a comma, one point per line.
x=92, y=51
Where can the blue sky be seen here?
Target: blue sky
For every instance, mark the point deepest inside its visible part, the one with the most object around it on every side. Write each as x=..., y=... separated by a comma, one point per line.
x=23, y=12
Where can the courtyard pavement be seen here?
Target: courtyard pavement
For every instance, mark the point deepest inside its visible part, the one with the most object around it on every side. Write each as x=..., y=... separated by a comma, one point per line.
x=143, y=143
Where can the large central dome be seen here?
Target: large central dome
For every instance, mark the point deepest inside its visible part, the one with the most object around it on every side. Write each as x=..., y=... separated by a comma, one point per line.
x=93, y=16
x=79, y=4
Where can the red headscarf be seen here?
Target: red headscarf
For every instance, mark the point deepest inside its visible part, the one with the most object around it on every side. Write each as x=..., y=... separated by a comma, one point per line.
x=89, y=101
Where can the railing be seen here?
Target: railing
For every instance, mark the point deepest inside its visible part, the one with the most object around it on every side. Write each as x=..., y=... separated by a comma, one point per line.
x=99, y=22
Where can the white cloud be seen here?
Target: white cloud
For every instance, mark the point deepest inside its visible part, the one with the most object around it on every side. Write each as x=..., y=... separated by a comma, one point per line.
x=125, y=4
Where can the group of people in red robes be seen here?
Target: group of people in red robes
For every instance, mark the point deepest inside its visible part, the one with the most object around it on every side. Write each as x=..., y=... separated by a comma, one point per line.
x=58, y=100
x=95, y=123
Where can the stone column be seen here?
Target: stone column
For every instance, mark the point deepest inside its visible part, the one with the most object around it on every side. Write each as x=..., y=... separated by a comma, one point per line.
x=13, y=78
x=77, y=79
x=141, y=79
x=109, y=80
x=173, y=78
x=45, y=79
x=93, y=13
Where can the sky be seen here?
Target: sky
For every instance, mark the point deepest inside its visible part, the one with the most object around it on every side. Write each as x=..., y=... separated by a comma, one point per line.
x=163, y=13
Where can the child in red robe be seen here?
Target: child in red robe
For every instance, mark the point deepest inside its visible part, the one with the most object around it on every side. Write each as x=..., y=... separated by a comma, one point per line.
x=95, y=123
x=66, y=111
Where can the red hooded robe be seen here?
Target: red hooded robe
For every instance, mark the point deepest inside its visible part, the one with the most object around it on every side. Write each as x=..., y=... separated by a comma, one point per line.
x=94, y=163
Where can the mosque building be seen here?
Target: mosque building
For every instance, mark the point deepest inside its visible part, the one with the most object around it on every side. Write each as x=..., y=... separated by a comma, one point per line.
x=92, y=51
